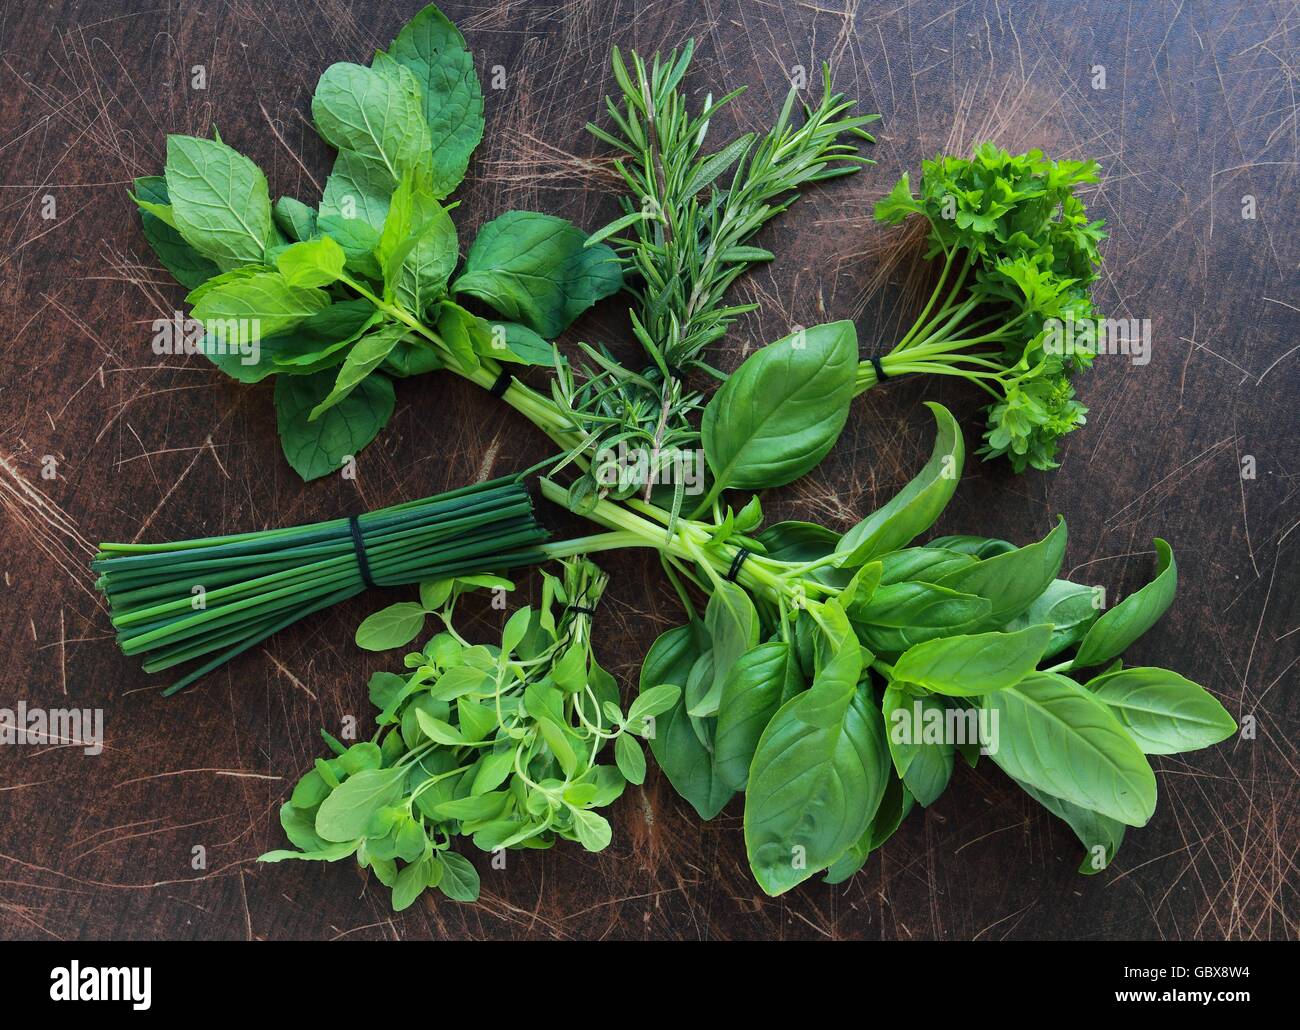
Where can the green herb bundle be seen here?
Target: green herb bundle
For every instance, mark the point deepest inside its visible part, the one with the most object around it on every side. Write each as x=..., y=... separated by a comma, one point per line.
x=820, y=654
x=337, y=300
x=497, y=743
x=1019, y=255
x=213, y=598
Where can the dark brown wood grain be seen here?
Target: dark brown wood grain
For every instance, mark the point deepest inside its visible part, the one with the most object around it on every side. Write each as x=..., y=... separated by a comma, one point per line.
x=1199, y=111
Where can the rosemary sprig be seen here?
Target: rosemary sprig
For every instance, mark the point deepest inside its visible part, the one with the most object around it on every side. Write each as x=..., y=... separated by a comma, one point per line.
x=685, y=238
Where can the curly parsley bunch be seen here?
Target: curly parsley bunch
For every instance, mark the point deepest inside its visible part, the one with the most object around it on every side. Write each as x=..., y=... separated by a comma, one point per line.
x=1019, y=257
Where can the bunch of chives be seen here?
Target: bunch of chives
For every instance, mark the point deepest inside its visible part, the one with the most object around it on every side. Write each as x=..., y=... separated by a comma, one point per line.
x=216, y=597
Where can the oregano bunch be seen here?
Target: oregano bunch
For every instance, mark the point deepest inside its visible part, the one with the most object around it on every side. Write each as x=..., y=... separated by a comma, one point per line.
x=497, y=743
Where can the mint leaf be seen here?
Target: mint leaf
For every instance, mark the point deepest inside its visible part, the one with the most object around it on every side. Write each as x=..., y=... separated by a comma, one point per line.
x=295, y=219
x=264, y=302
x=187, y=265
x=366, y=355
x=219, y=200
x=316, y=449
x=433, y=49
x=535, y=269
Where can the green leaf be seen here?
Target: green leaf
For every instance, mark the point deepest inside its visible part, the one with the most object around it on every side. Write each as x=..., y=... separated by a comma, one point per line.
x=1055, y=736
x=316, y=262
x=903, y=614
x=592, y=828
x=460, y=880
x=1070, y=607
x=1133, y=616
x=295, y=219
x=754, y=689
x=316, y=449
x=253, y=306
x=652, y=702
x=411, y=881
x=432, y=48
x=345, y=815
x=815, y=784
x=187, y=265
x=390, y=627
x=219, y=201
x=377, y=119
x=780, y=413
x=1012, y=581
x=366, y=355
x=1164, y=713
x=678, y=749
x=923, y=764
x=630, y=758
x=513, y=343
x=534, y=269
x=973, y=664
x=915, y=508
x=356, y=193
x=732, y=624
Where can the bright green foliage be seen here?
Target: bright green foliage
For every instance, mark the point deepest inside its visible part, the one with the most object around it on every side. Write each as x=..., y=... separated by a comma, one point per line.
x=404, y=129
x=497, y=744
x=1018, y=250
x=816, y=679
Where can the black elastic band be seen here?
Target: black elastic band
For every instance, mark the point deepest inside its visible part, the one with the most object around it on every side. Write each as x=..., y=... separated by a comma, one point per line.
x=502, y=384
x=582, y=609
x=736, y=563
x=359, y=546
x=881, y=375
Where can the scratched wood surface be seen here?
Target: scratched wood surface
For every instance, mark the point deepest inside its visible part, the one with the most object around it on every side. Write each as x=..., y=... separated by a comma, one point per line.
x=1199, y=111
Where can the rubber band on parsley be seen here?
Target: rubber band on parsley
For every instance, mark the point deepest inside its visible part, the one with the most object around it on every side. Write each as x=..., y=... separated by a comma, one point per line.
x=1019, y=255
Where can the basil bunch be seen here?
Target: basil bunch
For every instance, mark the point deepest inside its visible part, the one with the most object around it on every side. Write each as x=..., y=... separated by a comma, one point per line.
x=495, y=743
x=363, y=288
x=816, y=647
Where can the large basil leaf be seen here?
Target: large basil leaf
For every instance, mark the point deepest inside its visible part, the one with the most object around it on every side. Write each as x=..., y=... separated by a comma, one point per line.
x=316, y=449
x=817, y=777
x=682, y=755
x=732, y=624
x=925, y=765
x=1133, y=616
x=903, y=614
x=219, y=200
x=1101, y=836
x=973, y=664
x=1163, y=712
x=913, y=509
x=433, y=49
x=536, y=269
x=1070, y=607
x=1055, y=736
x=1011, y=581
x=893, y=809
x=187, y=265
x=780, y=413
x=924, y=564
x=757, y=685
